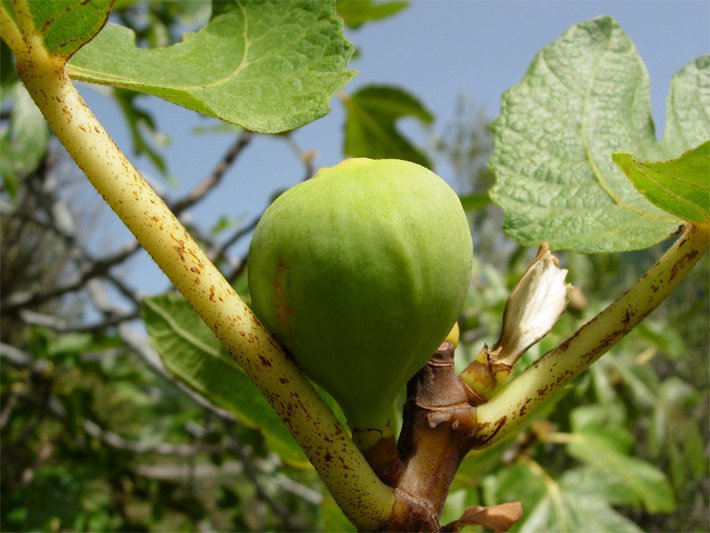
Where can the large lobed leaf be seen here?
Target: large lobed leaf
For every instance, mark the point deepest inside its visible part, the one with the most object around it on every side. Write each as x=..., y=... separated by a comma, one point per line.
x=268, y=66
x=192, y=354
x=584, y=97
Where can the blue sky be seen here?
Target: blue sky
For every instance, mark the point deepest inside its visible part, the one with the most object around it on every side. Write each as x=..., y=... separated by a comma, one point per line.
x=437, y=50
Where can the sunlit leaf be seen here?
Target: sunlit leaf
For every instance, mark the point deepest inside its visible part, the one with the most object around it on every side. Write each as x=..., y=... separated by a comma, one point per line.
x=585, y=96
x=268, y=66
x=680, y=186
x=371, y=125
x=192, y=353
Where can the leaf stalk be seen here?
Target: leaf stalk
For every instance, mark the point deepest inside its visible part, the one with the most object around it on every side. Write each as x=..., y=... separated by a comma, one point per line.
x=517, y=400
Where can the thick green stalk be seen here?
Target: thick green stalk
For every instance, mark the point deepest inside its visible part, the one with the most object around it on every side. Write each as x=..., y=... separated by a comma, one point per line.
x=513, y=404
x=351, y=481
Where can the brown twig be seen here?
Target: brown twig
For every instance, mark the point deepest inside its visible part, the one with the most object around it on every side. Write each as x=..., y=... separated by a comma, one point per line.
x=92, y=268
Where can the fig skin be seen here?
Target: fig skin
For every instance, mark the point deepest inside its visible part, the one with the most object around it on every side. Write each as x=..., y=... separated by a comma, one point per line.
x=360, y=273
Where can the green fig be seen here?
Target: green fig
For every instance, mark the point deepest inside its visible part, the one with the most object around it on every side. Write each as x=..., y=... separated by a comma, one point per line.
x=360, y=272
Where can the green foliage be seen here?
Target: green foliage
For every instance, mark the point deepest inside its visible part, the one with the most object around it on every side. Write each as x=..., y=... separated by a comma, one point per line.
x=23, y=144
x=585, y=96
x=687, y=119
x=562, y=504
x=474, y=201
x=674, y=433
x=594, y=447
x=86, y=420
x=355, y=13
x=266, y=66
x=96, y=441
x=192, y=353
x=8, y=74
x=370, y=130
x=680, y=186
x=141, y=122
x=606, y=449
x=66, y=26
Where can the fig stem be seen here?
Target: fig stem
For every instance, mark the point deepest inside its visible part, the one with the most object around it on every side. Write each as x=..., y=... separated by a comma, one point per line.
x=517, y=400
x=364, y=499
x=439, y=426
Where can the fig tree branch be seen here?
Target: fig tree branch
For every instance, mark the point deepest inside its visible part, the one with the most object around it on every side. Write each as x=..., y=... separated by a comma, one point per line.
x=519, y=398
x=361, y=495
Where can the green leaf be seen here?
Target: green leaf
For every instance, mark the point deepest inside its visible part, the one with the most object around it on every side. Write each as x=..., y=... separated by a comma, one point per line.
x=639, y=378
x=674, y=431
x=601, y=414
x=585, y=96
x=192, y=354
x=680, y=186
x=73, y=343
x=8, y=74
x=572, y=512
x=604, y=449
x=688, y=107
x=588, y=481
x=355, y=13
x=551, y=504
x=65, y=26
x=268, y=66
x=515, y=482
x=332, y=517
x=478, y=463
x=140, y=121
x=474, y=201
x=370, y=128
x=24, y=144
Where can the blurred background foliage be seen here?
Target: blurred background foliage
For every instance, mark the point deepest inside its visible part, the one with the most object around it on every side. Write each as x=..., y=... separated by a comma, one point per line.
x=97, y=436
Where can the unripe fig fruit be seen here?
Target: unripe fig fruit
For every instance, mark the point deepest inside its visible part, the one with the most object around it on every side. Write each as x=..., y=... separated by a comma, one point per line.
x=360, y=272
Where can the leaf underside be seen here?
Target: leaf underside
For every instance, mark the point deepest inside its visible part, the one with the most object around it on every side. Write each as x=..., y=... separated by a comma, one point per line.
x=267, y=66
x=584, y=97
x=192, y=354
